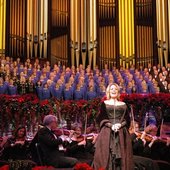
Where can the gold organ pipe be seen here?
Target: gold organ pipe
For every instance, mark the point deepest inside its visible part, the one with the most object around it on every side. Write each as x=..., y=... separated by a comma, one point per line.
x=58, y=18
x=76, y=20
x=123, y=30
x=45, y=26
x=158, y=12
x=78, y=31
x=109, y=42
x=28, y=27
x=95, y=30
x=41, y=23
x=91, y=21
x=166, y=33
x=35, y=25
x=62, y=14
x=163, y=21
x=145, y=47
x=169, y=24
x=120, y=28
x=137, y=38
x=17, y=27
x=66, y=9
x=140, y=48
x=95, y=19
x=10, y=42
x=90, y=30
x=31, y=28
x=2, y=25
x=14, y=30
x=21, y=24
x=83, y=21
x=148, y=47
x=72, y=31
x=144, y=40
x=112, y=40
x=105, y=40
x=126, y=27
x=151, y=40
x=23, y=27
x=104, y=47
x=132, y=26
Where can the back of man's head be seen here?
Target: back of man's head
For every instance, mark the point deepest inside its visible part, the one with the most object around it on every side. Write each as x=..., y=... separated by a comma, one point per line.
x=49, y=119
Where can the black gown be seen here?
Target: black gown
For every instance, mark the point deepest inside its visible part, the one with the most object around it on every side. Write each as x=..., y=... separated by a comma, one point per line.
x=113, y=150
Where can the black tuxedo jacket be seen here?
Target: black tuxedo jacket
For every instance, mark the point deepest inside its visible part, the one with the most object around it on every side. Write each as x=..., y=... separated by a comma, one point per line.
x=49, y=144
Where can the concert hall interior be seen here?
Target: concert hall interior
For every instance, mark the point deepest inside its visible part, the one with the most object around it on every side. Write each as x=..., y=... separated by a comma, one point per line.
x=85, y=84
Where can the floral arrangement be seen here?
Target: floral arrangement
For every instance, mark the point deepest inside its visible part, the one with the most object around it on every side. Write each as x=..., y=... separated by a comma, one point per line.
x=29, y=110
x=82, y=166
x=43, y=168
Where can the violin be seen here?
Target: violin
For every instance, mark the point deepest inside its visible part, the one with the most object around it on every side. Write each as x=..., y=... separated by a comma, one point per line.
x=59, y=132
x=86, y=137
x=149, y=137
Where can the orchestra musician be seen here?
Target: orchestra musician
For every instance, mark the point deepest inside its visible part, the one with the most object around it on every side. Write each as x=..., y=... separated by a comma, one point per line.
x=147, y=144
x=50, y=145
x=81, y=146
x=17, y=146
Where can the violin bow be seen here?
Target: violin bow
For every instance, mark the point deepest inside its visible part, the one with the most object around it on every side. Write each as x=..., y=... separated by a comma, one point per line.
x=85, y=126
x=132, y=117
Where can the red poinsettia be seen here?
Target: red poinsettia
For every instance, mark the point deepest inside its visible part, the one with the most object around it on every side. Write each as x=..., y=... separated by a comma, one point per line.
x=82, y=166
x=43, y=168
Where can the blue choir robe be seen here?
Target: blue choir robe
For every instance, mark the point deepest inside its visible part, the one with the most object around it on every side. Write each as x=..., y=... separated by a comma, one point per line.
x=58, y=93
x=78, y=95
x=68, y=94
x=3, y=89
x=129, y=90
x=12, y=90
x=39, y=92
x=46, y=94
x=151, y=87
x=30, y=71
x=91, y=95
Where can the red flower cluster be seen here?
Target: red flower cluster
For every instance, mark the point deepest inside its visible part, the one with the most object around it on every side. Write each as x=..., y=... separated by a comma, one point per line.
x=82, y=166
x=29, y=110
x=43, y=168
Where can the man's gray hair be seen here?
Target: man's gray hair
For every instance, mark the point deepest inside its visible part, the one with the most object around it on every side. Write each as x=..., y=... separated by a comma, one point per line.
x=48, y=119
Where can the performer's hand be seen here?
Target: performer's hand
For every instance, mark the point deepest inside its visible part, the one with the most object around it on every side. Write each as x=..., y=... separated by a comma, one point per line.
x=168, y=141
x=152, y=141
x=20, y=142
x=63, y=137
x=116, y=127
x=82, y=142
x=94, y=138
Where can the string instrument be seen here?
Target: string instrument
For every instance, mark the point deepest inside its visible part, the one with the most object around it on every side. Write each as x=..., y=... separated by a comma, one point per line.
x=149, y=137
x=86, y=137
x=58, y=132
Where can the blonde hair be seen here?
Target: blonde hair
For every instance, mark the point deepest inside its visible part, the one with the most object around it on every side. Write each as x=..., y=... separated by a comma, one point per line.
x=108, y=90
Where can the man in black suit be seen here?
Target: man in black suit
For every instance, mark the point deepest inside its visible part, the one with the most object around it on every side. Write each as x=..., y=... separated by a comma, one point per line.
x=50, y=145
